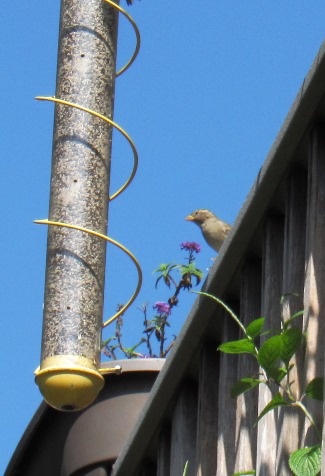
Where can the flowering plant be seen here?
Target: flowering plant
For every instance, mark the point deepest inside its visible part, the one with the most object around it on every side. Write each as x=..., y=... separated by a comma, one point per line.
x=156, y=326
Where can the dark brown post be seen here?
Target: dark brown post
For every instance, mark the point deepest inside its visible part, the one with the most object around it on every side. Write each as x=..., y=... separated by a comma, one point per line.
x=79, y=196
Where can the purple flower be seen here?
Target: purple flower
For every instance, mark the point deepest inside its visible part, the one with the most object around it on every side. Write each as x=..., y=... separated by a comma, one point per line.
x=191, y=246
x=162, y=308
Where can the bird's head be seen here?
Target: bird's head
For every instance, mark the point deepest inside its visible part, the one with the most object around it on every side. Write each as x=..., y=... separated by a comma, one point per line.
x=199, y=216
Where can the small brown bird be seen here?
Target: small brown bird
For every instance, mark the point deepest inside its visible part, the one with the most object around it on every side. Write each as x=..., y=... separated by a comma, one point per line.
x=214, y=230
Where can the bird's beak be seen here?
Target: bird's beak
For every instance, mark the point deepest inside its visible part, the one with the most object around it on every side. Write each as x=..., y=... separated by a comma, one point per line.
x=189, y=218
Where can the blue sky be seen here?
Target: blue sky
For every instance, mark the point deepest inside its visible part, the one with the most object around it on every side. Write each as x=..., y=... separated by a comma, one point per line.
x=203, y=102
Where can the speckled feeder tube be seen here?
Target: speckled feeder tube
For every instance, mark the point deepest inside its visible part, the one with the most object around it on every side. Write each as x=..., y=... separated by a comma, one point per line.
x=68, y=376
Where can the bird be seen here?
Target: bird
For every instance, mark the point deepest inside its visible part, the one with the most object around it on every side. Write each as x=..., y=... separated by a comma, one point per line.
x=214, y=230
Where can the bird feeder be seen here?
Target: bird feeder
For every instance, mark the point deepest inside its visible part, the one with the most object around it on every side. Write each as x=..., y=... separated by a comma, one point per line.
x=69, y=376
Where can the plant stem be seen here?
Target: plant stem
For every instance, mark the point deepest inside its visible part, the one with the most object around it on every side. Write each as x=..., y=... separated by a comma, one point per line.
x=146, y=324
x=168, y=349
x=230, y=312
x=162, y=339
x=299, y=404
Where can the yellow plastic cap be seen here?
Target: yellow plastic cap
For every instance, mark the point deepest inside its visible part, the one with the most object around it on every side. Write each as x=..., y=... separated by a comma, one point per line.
x=70, y=388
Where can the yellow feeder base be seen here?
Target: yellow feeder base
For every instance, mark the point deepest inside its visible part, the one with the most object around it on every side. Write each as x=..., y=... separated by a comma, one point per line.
x=70, y=387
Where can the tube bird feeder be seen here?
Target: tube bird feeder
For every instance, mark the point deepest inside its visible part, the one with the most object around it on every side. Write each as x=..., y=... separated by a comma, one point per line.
x=68, y=376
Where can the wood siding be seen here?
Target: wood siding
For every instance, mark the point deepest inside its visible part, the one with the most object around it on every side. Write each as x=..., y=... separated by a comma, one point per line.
x=282, y=255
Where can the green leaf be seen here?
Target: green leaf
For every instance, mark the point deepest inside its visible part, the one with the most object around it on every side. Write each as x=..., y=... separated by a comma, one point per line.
x=162, y=268
x=254, y=328
x=306, y=461
x=270, y=353
x=242, y=346
x=185, y=468
x=157, y=281
x=294, y=316
x=108, y=341
x=267, y=333
x=315, y=389
x=165, y=270
x=243, y=385
x=276, y=401
x=291, y=339
x=190, y=269
x=277, y=373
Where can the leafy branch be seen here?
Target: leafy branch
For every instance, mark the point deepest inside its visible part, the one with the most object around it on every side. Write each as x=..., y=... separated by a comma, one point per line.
x=157, y=325
x=274, y=356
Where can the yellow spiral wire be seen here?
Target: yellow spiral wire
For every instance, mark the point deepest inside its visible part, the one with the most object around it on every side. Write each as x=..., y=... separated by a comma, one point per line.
x=110, y=240
x=113, y=124
x=124, y=186
x=137, y=34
